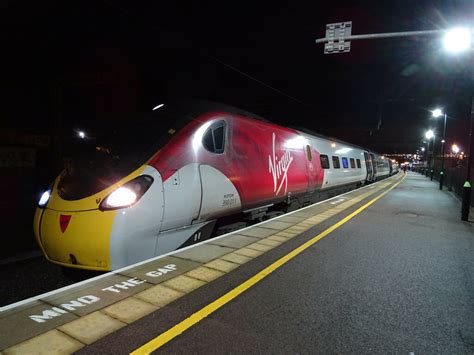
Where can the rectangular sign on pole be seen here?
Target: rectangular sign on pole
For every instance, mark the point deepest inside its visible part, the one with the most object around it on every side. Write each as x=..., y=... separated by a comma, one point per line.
x=335, y=33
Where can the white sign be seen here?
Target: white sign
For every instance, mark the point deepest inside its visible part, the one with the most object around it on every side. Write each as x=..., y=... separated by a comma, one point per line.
x=336, y=33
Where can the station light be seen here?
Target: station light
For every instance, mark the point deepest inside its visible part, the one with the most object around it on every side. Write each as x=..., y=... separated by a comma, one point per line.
x=455, y=149
x=81, y=134
x=437, y=112
x=157, y=107
x=457, y=40
x=429, y=134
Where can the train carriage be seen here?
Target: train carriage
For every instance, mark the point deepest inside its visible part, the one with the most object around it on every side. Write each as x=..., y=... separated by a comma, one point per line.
x=139, y=193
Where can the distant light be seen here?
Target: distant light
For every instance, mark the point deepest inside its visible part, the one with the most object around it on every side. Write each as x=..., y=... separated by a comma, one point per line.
x=457, y=40
x=422, y=149
x=157, y=107
x=382, y=157
x=81, y=134
x=455, y=149
x=443, y=141
x=429, y=134
x=333, y=145
x=437, y=112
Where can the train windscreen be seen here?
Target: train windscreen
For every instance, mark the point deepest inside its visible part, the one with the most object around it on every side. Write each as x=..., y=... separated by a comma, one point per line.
x=97, y=160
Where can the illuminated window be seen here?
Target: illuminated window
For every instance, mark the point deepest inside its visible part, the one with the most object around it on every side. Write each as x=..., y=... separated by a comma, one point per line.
x=345, y=164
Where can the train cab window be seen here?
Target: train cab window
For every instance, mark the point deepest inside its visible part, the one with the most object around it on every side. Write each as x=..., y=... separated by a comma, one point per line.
x=353, y=163
x=358, y=163
x=214, y=138
x=336, y=163
x=308, y=153
x=324, y=161
x=345, y=163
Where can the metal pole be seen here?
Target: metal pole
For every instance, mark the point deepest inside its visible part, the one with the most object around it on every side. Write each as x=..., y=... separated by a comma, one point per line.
x=443, y=142
x=384, y=35
x=466, y=190
x=432, y=159
x=427, y=157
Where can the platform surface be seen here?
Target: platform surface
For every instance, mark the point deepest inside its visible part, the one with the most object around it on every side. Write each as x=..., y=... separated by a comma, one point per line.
x=394, y=275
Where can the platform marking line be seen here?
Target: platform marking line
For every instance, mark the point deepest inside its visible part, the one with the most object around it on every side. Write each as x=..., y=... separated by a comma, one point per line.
x=187, y=323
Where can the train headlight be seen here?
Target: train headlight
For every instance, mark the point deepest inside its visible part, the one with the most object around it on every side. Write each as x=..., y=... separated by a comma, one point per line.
x=44, y=198
x=127, y=194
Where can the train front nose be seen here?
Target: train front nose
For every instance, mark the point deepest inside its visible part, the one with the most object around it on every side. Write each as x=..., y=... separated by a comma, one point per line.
x=76, y=239
x=108, y=230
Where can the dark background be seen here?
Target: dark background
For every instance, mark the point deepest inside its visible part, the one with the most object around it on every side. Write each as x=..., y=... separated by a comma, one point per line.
x=71, y=64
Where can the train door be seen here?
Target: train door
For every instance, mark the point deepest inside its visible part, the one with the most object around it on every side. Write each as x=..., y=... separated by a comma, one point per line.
x=311, y=168
x=368, y=165
x=182, y=193
x=374, y=166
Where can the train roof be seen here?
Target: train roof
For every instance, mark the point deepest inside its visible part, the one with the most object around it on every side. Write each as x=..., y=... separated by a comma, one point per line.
x=309, y=132
x=198, y=107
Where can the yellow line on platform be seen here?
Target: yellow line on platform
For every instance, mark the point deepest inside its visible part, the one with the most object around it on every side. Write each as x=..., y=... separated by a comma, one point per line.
x=181, y=327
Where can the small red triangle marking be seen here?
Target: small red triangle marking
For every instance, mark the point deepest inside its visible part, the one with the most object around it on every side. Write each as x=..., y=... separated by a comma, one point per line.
x=64, y=222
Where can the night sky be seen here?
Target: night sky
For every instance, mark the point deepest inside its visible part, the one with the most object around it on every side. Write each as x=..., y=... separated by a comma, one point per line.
x=89, y=61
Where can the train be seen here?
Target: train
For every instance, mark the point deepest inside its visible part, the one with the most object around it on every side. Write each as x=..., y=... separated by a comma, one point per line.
x=182, y=173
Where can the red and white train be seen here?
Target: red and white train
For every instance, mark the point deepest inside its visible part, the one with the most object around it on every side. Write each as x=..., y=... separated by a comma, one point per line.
x=182, y=172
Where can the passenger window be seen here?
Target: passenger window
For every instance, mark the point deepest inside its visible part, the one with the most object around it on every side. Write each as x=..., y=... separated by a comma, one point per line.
x=336, y=163
x=358, y=163
x=353, y=164
x=308, y=153
x=214, y=138
x=324, y=161
x=345, y=164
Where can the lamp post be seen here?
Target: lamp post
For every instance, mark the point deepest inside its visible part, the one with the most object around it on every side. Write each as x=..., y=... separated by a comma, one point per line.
x=436, y=113
x=455, y=41
x=428, y=135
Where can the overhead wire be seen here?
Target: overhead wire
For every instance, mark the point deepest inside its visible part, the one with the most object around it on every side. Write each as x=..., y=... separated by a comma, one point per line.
x=219, y=61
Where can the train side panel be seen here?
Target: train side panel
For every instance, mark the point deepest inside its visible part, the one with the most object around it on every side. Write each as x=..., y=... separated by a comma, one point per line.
x=347, y=171
x=270, y=163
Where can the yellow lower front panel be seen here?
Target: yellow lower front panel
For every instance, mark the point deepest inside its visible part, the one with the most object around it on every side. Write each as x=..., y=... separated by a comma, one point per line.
x=83, y=243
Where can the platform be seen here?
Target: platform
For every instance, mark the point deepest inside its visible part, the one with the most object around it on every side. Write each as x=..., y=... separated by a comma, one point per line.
x=385, y=268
